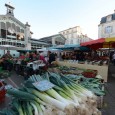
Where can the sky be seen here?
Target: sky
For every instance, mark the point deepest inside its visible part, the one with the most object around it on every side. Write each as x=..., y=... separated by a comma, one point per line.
x=49, y=17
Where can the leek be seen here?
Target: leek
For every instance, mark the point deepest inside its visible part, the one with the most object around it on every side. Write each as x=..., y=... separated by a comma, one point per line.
x=48, y=99
x=35, y=108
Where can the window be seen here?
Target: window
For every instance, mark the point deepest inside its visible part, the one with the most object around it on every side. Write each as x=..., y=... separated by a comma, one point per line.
x=108, y=29
x=3, y=26
x=108, y=18
x=3, y=33
x=8, y=24
x=18, y=29
x=3, y=30
x=14, y=26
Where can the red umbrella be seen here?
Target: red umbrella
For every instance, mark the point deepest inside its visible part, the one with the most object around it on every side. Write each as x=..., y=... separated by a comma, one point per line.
x=94, y=44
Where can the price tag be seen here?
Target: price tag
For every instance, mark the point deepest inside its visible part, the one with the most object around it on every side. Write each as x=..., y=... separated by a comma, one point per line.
x=43, y=85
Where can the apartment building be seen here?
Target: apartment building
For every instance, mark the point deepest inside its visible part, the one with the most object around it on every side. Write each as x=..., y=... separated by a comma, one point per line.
x=106, y=28
x=74, y=35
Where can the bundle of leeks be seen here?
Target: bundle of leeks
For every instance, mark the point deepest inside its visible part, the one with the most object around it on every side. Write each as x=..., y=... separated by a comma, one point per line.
x=65, y=98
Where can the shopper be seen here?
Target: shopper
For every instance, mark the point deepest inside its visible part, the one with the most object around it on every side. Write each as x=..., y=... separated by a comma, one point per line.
x=52, y=57
x=41, y=57
x=22, y=56
x=7, y=61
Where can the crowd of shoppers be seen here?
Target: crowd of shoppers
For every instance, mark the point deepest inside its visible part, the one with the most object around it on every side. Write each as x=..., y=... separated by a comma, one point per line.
x=7, y=60
x=81, y=56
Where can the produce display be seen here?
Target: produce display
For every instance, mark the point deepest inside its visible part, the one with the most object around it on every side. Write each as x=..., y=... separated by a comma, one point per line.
x=70, y=95
x=93, y=84
x=99, y=62
x=86, y=77
x=69, y=70
x=76, y=71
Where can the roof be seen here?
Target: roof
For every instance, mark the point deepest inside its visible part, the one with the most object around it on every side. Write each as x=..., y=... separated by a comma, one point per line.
x=104, y=19
x=33, y=40
x=7, y=5
x=50, y=37
x=69, y=29
x=14, y=19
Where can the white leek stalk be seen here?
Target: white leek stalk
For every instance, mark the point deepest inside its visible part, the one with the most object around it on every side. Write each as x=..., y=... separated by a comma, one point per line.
x=35, y=109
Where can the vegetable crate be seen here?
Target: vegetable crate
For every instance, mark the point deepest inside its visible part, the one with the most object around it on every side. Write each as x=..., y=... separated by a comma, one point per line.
x=2, y=92
x=90, y=73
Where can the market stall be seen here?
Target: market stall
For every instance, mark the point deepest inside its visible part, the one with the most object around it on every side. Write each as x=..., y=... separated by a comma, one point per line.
x=102, y=70
x=53, y=94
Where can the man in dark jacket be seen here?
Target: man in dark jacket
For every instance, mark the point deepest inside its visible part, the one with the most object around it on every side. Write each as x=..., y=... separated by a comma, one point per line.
x=52, y=57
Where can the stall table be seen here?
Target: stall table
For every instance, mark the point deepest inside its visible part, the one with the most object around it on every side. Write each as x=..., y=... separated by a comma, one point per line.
x=102, y=70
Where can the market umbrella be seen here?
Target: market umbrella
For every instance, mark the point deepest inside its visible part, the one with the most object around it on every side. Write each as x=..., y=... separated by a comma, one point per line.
x=93, y=42
x=109, y=43
x=100, y=43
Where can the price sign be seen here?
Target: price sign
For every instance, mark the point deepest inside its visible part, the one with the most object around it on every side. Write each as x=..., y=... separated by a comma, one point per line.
x=43, y=85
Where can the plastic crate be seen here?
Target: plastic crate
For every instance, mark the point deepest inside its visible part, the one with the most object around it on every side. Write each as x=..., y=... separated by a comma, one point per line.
x=90, y=73
x=2, y=92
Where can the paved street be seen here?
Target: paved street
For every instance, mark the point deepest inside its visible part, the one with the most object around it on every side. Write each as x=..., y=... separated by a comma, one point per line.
x=15, y=81
x=109, y=99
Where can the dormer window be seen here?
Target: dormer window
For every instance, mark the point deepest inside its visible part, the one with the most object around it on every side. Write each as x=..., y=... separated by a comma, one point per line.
x=109, y=18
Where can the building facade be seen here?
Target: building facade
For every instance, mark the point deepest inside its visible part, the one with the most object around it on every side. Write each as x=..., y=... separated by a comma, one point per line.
x=15, y=33
x=36, y=44
x=74, y=35
x=106, y=28
x=12, y=31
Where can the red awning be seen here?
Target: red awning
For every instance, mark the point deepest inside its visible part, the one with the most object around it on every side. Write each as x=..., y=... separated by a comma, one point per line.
x=98, y=41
